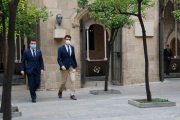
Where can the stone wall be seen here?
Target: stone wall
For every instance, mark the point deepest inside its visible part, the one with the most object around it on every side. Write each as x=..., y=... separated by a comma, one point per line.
x=133, y=55
x=133, y=52
x=49, y=46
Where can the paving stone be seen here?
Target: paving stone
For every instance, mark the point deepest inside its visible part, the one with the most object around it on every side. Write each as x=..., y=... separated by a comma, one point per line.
x=99, y=107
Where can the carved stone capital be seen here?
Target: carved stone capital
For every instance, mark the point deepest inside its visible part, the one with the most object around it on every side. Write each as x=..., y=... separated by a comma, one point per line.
x=74, y=25
x=127, y=26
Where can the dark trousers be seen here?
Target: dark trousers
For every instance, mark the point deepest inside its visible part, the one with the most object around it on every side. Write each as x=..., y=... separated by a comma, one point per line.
x=167, y=65
x=34, y=82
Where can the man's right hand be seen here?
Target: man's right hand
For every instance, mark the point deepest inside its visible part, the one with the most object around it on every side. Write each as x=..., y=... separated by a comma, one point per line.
x=63, y=68
x=22, y=72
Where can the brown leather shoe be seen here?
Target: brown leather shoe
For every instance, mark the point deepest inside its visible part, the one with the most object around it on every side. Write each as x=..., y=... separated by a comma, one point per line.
x=73, y=97
x=60, y=94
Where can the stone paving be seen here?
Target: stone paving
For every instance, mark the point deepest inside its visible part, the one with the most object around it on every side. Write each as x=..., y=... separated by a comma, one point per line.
x=17, y=79
x=100, y=107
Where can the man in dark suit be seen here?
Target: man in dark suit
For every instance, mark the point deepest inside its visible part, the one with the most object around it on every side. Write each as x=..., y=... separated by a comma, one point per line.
x=67, y=62
x=34, y=68
x=167, y=57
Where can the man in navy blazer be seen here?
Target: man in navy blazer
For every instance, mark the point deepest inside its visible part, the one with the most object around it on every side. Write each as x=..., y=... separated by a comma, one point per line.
x=34, y=68
x=67, y=62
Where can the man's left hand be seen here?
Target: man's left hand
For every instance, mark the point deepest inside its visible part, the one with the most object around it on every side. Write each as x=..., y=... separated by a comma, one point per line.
x=76, y=69
x=42, y=72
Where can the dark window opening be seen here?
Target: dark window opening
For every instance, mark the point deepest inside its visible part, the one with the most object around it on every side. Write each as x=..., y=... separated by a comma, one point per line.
x=91, y=38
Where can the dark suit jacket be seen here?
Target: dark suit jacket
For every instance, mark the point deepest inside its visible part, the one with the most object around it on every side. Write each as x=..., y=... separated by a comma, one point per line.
x=166, y=54
x=64, y=59
x=32, y=62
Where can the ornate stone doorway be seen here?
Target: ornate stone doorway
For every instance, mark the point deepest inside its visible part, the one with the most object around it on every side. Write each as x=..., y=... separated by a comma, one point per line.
x=92, y=53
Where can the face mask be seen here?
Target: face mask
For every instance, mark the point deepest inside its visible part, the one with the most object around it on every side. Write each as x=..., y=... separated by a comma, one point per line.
x=68, y=42
x=33, y=46
x=167, y=47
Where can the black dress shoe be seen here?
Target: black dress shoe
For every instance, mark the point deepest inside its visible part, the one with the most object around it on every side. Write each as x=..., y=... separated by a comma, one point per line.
x=33, y=100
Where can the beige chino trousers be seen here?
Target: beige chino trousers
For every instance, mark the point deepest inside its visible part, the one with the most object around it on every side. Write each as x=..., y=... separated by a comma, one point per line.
x=64, y=75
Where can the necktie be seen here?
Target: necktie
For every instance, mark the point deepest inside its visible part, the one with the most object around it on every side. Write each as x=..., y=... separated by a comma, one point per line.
x=69, y=51
x=34, y=53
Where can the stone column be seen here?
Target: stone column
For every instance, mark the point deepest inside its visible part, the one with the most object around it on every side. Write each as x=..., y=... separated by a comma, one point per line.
x=105, y=58
x=25, y=43
x=19, y=47
x=88, y=44
x=176, y=40
x=15, y=51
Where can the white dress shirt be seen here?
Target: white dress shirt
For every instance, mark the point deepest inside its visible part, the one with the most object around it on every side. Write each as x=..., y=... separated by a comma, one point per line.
x=69, y=49
x=32, y=51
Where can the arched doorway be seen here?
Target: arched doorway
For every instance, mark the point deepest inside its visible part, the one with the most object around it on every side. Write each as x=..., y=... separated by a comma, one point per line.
x=174, y=68
x=82, y=26
x=168, y=28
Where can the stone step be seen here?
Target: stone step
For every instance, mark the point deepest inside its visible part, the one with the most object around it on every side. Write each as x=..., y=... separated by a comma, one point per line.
x=95, y=83
x=95, y=78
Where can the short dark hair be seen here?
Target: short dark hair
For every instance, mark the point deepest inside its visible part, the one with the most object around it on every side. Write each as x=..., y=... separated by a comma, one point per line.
x=67, y=36
x=33, y=40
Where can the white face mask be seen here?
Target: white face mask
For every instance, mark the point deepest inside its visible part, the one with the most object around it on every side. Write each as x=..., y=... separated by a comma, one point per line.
x=68, y=42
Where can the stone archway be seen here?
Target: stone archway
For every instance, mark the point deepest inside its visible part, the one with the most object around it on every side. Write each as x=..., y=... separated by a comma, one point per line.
x=76, y=30
x=166, y=5
x=170, y=37
x=77, y=17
